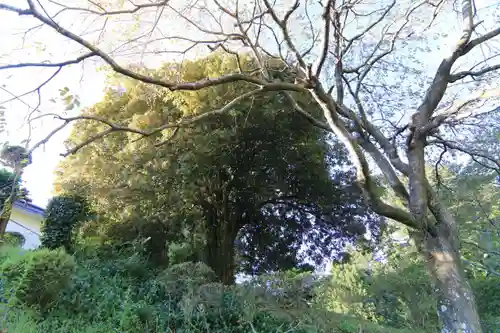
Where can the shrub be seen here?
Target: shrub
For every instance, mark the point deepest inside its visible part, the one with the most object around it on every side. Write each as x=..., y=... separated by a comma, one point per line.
x=104, y=297
x=18, y=322
x=126, y=259
x=13, y=238
x=109, y=282
x=154, y=233
x=38, y=277
x=182, y=278
x=62, y=215
x=291, y=289
x=180, y=252
x=7, y=251
x=487, y=293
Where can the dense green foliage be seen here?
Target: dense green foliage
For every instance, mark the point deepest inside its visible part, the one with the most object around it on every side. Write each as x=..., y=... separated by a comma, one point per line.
x=117, y=291
x=6, y=181
x=106, y=287
x=245, y=189
x=10, y=191
x=474, y=198
x=37, y=278
x=62, y=216
x=14, y=239
x=397, y=292
x=15, y=156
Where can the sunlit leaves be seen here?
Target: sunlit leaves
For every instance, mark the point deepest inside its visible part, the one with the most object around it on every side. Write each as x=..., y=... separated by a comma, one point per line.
x=257, y=152
x=68, y=99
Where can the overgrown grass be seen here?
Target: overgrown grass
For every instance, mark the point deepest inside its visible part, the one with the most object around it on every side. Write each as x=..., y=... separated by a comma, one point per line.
x=118, y=291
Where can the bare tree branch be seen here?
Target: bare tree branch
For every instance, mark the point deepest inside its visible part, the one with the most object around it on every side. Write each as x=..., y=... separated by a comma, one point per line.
x=282, y=24
x=89, y=140
x=473, y=153
x=364, y=177
x=468, y=20
x=37, y=89
x=484, y=38
x=163, y=83
x=389, y=148
x=15, y=9
x=473, y=74
x=326, y=35
x=388, y=170
x=105, y=12
x=48, y=137
x=461, y=110
x=365, y=31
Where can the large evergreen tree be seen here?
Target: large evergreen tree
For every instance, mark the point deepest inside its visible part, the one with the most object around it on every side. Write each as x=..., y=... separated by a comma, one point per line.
x=257, y=181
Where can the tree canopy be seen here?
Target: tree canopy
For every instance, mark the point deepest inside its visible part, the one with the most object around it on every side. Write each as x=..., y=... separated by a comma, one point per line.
x=265, y=189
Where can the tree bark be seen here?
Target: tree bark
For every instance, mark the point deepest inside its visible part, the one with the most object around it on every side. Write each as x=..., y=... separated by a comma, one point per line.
x=221, y=252
x=456, y=305
x=7, y=205
x=5, y=216
x=439, y=246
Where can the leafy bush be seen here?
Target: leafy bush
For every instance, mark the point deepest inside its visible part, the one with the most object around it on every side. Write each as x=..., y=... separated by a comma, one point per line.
x=18, y=321
x=125, y=260
x=291, y=289
x=240, y=309
x=181, y=252
x=62, y=215
x=104, y=296
x=396, y=294
x=37, y=278
x=154, y=232
x=487, y=293
x=13, y=238
x=7, y=251
x=185, y=277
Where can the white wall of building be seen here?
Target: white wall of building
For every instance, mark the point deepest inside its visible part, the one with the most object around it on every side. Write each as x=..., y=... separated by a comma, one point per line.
x=26, y=219
x=32, y=238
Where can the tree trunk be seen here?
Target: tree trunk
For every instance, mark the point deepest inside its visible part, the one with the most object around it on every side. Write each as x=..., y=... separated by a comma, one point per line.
x=5, y=216
x=456, y=305
x=221, y=252
x=7, y=205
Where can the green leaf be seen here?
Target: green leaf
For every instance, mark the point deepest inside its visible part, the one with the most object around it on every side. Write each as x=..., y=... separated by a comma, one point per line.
x=63, y=91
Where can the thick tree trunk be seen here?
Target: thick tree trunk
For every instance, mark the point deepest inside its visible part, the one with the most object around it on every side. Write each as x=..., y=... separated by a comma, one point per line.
x=221, y=252
x=220, y=249
x=456, y=305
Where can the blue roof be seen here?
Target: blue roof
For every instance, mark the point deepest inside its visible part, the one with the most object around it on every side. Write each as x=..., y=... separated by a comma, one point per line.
x=29, y=207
